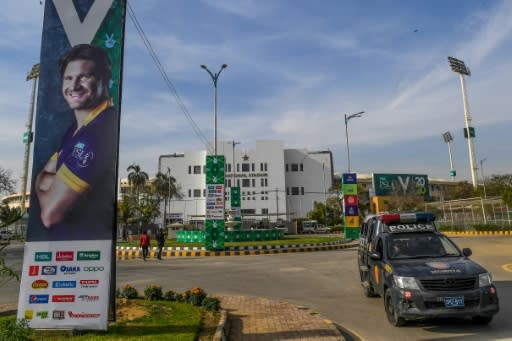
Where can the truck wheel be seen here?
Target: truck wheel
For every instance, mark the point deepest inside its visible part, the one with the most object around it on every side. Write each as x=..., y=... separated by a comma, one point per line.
x=391, y=311
x=482, y=320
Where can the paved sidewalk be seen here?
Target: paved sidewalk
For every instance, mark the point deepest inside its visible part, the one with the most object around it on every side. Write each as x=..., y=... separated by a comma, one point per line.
x=260, y=319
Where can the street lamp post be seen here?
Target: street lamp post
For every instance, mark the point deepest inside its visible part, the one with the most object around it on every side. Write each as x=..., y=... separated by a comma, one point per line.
x=215, y=77
x=447, y=137
x=32, y=75
x=483, y=176
x=168, y=173
x=459, y=67
x=234, y=143
x=347, y=118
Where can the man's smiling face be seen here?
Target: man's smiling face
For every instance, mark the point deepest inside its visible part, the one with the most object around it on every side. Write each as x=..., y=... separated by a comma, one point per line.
x=80, y=87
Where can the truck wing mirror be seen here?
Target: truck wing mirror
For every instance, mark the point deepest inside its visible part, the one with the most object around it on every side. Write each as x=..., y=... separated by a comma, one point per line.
x=467, y=251
x=375, y=255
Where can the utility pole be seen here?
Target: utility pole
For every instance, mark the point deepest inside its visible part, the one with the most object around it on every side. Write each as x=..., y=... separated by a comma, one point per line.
x=234, y=143
x=28, y=135
x=277, y=204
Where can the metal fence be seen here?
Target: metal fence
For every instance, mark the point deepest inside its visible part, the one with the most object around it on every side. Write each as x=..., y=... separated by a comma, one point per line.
x=470, y=212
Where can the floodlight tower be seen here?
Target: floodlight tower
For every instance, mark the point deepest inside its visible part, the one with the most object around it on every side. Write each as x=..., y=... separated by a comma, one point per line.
x=459, y=67
x=447, y=137
x=33, y=75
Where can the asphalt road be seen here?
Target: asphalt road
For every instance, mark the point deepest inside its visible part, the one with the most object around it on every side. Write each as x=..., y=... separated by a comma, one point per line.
x=326, y=282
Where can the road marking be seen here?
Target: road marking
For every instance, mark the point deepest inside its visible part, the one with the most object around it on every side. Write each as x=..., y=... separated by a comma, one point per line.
x=507, y=267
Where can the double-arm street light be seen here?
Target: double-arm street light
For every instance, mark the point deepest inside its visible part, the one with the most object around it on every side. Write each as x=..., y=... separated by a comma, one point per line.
x=347, y=118
x=215, y=77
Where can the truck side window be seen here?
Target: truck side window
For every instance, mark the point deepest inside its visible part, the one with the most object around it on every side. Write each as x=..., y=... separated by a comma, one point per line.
x=364, y=227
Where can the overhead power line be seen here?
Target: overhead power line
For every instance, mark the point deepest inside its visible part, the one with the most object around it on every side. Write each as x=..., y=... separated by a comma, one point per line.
x=166, y=78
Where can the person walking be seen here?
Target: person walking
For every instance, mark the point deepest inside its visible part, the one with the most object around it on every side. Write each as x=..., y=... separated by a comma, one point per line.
x=144, y=244
x=160, y=238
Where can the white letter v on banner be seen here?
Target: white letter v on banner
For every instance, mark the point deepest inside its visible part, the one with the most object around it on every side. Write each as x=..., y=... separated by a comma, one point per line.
x=81, y=32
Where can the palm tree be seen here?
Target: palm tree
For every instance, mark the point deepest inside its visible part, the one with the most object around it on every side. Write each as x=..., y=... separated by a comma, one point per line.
x=165, y=188
x=125, y=215
x=137, y=179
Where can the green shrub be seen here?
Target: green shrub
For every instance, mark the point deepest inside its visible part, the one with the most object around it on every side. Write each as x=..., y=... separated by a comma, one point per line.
x=183, y=297
x=129, y=292
x=337, y=228
x=211, y=304
x=13, y=330
x=197, y=295
x=153, y=293
x=451, y=228
x=170, y=296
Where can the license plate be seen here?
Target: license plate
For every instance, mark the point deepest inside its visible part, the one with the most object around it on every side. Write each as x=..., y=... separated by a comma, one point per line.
x=454, y=302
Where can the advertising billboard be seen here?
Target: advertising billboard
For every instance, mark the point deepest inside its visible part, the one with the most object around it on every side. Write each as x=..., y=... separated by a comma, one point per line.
x=71, y=224
x=400, y=184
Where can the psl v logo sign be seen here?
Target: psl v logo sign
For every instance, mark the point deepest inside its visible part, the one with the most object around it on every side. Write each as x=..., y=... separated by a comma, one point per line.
x=81, y=32
x=405, y=184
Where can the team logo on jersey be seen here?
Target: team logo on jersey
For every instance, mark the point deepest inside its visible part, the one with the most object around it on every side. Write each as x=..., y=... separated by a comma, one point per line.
x=82, y=155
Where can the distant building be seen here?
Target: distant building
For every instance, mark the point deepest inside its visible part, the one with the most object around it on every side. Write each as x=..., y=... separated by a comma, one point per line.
x=15, y=200
x=276, y=184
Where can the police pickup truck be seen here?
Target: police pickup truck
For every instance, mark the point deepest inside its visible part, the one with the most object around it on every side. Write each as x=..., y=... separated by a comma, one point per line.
x=420, y=272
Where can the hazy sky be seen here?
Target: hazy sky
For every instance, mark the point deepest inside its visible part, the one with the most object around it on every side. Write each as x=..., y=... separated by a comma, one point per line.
x=295, y=68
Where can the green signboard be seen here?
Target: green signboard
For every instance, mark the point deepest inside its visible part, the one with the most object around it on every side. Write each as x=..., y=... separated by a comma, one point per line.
x=235, y=207
x=214, y=223
x=401, y=184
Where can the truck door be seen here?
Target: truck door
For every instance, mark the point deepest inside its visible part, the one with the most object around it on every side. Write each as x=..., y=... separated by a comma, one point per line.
x=364, y=248
x=376, y=273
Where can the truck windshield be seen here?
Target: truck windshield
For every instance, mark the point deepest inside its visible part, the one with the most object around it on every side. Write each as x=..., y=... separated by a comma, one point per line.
x=420, y=246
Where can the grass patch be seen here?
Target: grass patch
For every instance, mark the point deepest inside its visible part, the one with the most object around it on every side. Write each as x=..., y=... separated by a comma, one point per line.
x=144, y=320
x=287, y=240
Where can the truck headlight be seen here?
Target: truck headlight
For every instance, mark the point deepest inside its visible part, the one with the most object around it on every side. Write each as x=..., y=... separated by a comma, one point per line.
x=484, y=279
x=406, y=282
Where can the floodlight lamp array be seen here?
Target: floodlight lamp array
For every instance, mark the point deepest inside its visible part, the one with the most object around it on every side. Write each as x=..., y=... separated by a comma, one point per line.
x=459, y=66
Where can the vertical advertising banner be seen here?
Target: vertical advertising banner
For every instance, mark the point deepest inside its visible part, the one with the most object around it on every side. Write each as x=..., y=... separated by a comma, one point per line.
x=350, y=205
x=214, y=223
x=67, y=262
